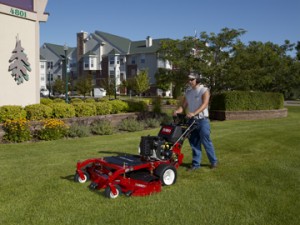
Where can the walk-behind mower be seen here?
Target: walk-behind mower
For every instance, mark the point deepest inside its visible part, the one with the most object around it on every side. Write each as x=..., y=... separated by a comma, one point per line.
x=143, y=174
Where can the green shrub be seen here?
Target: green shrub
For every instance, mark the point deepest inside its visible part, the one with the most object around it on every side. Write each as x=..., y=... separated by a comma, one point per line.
x=79, y=130
x=137, y=106
x=90, y=100
x=118, y=106
x=102, y=127
x=243, y=100
x=172, y=102
x=10, y=112
x=62, y=110
x=38, y=112
x=131, y=125
x=16, y=130
x=84, y=109
x=103, y=108
x=156, y=102
x=46, y=101
x=76, y=100
x=59, y=100
x=152, y=122
x=52, y=129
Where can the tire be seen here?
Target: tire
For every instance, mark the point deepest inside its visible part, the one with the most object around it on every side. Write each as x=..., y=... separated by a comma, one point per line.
x=167, y=174
x=108, y=193
x=79, y=180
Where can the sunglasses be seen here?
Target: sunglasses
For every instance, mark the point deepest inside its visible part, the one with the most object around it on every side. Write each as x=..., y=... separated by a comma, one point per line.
x=191, y=79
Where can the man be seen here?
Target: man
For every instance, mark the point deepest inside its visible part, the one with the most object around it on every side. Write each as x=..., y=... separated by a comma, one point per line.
x=196, y=102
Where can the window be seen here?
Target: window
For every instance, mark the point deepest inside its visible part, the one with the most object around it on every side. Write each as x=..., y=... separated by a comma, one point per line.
x=86, y=63
x=50, y=77
x=143, y=58
x=111, y=60
x=133, y=60
x=92, y=62
x=50, y=65
x=42, y=66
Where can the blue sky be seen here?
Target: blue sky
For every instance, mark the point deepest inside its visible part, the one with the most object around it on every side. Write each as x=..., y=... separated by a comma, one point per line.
x=264, y=20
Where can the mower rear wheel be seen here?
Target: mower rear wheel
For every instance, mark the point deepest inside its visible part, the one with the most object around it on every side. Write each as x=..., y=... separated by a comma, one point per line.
x=77, y=178
x=166, y=173
x=109, y=194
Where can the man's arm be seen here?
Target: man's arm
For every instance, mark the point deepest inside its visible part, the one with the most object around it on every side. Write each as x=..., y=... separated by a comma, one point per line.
x=181, y=108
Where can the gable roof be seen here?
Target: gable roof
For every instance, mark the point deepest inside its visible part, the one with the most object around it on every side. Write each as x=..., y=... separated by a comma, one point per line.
x=58, y=49
x=126, y=46
x=140, y=46
x=89, y=53
x=122, y=44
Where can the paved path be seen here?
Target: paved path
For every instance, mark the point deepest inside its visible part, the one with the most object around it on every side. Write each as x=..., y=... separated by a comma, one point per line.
x=292, y=103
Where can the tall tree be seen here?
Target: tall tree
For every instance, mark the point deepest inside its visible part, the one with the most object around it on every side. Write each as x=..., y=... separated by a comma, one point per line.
x=142, y=82
x=84, y=85
x=59, y=86
x=298, y=50
x=214, y=51
x=206, y=55
x=263, y=67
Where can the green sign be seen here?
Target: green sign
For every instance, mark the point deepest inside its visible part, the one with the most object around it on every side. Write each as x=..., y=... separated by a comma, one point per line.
x=18, y=12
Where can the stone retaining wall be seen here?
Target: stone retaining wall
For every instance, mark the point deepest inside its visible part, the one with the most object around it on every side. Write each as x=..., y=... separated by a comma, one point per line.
x=114, y=118
x=247, y=115
x=214, y=115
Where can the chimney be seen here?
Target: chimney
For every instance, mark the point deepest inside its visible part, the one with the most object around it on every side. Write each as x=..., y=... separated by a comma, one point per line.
x=81, y=37
x=148, y=41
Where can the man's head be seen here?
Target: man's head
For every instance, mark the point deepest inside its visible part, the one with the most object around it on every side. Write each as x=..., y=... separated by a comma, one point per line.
x=194, y=76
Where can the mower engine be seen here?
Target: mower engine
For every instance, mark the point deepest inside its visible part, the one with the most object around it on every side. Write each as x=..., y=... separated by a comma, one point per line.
x=160, y=147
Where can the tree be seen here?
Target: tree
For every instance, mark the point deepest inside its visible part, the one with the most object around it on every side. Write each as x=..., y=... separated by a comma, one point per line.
x=214, y=52
x=84, y=85
x=178, y=53
x=109, y=85
x=141, y=82
x=163, y=79
x=297, y=48
x=206, y=55
x=59, y=86
x=263, y=67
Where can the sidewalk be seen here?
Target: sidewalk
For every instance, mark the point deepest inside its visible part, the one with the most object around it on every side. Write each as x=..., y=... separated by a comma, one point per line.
x=291, y=103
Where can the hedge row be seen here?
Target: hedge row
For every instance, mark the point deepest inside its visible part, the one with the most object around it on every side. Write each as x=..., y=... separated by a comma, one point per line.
x=242, y=101
x=58, y=109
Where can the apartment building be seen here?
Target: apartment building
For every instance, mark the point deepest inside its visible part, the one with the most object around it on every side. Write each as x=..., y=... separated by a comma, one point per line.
x=104, y=56
x=55, y=58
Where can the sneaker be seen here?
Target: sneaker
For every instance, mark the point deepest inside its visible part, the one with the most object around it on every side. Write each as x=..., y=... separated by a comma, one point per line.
x=192, y=168
x=214, y=166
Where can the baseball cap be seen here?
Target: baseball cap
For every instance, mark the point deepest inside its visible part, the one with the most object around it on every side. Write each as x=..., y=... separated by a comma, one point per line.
x=193, y=76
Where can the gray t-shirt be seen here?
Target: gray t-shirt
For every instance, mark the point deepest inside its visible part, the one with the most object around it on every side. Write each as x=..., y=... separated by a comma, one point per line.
x=194, y=99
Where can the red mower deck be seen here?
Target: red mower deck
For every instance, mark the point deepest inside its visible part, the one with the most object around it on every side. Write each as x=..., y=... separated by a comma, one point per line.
x=139, y=175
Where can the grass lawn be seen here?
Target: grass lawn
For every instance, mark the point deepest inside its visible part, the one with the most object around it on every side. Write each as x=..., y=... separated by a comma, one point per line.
x=257, y=182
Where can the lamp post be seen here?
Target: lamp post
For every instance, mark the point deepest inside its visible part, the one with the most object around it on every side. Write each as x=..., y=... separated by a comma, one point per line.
x=66, y=73
x=50, y=88
x=115, y=82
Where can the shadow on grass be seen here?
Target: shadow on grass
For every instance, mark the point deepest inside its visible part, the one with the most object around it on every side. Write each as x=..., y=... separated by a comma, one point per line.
x=113, y=153
x=188, y=165
x=68, y=178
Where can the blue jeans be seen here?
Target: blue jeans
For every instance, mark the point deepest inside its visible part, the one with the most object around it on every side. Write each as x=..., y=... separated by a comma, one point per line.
x=201, y=136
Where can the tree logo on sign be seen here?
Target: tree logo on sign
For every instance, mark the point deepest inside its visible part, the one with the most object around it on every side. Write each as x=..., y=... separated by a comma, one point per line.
x=19, y=65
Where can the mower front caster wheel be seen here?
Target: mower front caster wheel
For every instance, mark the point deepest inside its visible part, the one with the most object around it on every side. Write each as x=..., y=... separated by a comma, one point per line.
x=167, y=174
x=109, y=194
x=78, y=179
